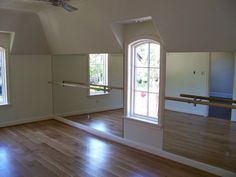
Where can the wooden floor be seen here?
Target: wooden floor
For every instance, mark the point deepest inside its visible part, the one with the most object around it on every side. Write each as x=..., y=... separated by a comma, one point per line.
x=106, y=121
x=51, y=148
x=207, y=140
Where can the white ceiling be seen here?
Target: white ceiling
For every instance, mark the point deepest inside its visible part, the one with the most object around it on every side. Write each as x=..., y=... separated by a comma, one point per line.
x=184, y=25
x=24, y=5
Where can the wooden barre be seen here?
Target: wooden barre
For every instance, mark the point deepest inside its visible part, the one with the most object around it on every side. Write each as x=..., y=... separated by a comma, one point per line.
x=86, y=86
x=79, y=86
x=95, y=85
x=200, y=102
x=208, y=98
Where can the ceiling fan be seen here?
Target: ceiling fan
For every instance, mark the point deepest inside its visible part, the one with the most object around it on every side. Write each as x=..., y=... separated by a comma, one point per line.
x=62, y=3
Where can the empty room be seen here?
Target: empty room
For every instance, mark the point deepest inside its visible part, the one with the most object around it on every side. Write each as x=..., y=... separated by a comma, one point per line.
x=117, y=88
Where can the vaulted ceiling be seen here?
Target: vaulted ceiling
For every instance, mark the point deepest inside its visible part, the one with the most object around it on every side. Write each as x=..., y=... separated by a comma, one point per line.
x=184, y=25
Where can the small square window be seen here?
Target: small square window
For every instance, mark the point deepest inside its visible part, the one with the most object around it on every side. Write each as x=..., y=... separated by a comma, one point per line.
x=98, y=73
x=3, y=77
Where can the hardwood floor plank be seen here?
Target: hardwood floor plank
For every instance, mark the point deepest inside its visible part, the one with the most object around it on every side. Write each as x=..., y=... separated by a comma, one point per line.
x=50, y=148
x=106, y=121
x=31, y=166
x=207, y=140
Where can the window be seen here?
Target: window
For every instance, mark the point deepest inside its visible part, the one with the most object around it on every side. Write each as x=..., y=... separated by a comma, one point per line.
x=3, y=79
x=98, y=72
x=144, y=80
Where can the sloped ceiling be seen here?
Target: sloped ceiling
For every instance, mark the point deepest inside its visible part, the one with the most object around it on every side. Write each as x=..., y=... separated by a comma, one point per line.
x=184, y=25
x=29, y=37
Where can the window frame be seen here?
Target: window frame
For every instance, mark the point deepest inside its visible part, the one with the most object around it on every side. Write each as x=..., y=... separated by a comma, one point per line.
x=105, y=69
x=130, y=77
x=5, y=79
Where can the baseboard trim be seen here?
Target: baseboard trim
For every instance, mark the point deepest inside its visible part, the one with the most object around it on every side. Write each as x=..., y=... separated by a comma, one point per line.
x=142, y=147
x=86, y=111
x=25, y=121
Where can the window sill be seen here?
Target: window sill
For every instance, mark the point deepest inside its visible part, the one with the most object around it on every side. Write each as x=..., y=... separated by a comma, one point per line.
x=143, y=121
x=2, y=106
x=100, y=94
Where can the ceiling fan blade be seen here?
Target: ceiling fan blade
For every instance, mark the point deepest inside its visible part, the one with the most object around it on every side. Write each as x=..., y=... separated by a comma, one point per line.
x=68, y=7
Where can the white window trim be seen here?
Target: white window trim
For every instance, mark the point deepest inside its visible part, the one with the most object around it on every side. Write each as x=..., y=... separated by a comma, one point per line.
x=5, y=78
x=130, y=73
x=106, y=74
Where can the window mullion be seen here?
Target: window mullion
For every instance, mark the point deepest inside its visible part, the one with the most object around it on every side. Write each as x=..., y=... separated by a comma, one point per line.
x=1, y=74
x=133, y=80
x=104, y=70
x=148, y=79
x=4, y=94
x=4, y=77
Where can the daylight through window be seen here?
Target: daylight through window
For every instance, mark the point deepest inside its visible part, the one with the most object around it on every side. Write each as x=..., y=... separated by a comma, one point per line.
x=98, y=72
x=144, y=80
x=3, y=80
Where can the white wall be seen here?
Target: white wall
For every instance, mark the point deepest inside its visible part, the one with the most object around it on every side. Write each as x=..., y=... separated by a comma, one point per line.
x=180, y=78
x=222, y=74
x=181, y=25
x=233, y=115
x=29, y=35
x=140, y=30
x=70, y=101
x=5, y=40
x=30, y=93
x=148, y=134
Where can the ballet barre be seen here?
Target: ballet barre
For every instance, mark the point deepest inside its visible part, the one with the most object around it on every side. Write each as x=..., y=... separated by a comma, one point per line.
x=99, y=87
x=206, y=102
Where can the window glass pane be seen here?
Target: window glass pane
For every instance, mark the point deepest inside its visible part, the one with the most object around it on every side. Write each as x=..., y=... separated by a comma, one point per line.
x=98, y=71
x=145, y=80
x=1, y=75
x=141, y=55
x=3, y=87
x=97, y=74
x=154, y=55
x=141, y=81
x=153, y=105
x=96, y=92
x=154, y=80
x=140, y=103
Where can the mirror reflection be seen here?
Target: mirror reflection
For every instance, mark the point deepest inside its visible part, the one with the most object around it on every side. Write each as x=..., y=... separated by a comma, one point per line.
x=206, y=77
x=200, y=107
x=88, y=89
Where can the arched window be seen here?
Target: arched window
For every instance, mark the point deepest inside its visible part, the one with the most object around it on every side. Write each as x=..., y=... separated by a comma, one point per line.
x=143, y=80
x=3, y=77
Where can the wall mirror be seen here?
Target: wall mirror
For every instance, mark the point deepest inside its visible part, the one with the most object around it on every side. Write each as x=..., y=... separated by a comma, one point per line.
x=200, y=107
x=88, y=89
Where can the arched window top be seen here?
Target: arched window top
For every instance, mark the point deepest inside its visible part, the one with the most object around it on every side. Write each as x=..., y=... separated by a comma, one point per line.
x=143, y=41
x=147, y=54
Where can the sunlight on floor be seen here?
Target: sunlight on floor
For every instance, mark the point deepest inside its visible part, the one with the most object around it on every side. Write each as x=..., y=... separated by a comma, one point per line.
x=100, y=126
x=5, y=164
